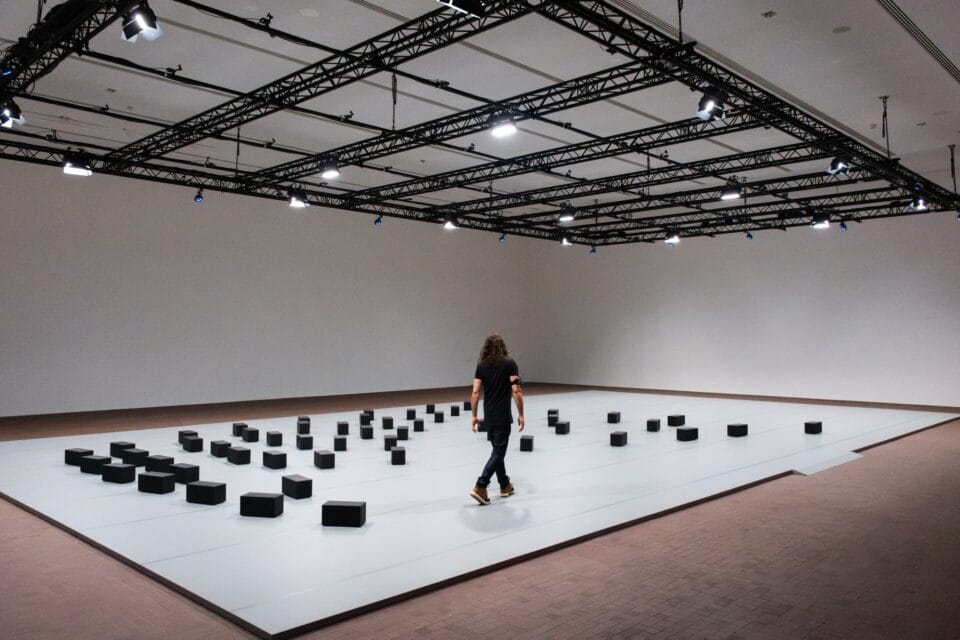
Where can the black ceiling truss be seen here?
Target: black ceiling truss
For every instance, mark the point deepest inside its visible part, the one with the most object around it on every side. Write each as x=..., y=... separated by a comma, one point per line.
x=681, y=197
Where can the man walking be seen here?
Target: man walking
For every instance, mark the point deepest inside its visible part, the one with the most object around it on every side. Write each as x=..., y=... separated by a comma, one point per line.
x=497, y=375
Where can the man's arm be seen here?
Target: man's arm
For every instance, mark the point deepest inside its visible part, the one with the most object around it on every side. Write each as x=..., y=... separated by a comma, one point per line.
x=518, y=398
x=474, y=402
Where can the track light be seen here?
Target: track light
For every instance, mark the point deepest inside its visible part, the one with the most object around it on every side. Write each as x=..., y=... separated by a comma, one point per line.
x=672, y=239
x=198, y=198
x=329, y=170
x=450, y=223
x=139, y=21
x=298, y=199
x=843, y=226
x=565, y=241
x=501, y=125
x=378, y=222
x=919, y=204
x=749, y=236
x=473, y=8
x=502, y=238
x=839, y=166
x=732, y=191
x=593, y=250
x=820, y=221
x=11, y=116
x=77, y=165
x=567, y=215
x=711, y=105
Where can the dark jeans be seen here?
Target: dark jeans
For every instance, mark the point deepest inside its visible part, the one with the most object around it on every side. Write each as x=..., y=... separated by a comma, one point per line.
x=499, y=437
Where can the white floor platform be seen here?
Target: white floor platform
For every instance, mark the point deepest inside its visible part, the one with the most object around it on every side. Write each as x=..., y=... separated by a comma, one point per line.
x=281, y=574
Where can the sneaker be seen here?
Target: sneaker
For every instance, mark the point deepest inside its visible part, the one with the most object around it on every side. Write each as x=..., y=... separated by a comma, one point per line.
x=480, y=495
x=506, y=490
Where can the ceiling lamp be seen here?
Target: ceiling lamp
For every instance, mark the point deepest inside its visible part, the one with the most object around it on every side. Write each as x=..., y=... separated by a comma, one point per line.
x=732, y=191
x=198, y=198
x=839, y=166
x=501, y=125
x=450, y=224
x=10, y=115
x=919, y=204
x=593, y=250
x=473, y=8
x=502, y=238
x=298, y=199
x=378, y=222
x=820, y=221
x=77, y=165
x=672, y=239
x=139, y=20
x=568, y=214
x=711, y=105
x=329, y=170
x=565, y=241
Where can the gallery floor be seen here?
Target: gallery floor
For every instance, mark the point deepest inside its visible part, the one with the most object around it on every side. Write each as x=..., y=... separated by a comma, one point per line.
x=617, y=585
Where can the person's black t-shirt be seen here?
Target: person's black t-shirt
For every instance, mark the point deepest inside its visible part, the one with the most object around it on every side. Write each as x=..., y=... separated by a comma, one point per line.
x=497, y=390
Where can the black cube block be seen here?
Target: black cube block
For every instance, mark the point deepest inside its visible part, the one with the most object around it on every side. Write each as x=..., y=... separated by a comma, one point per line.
x=194, y=444
x=297, y=486
x=687, y=434
x=613, y=417
x=618, y=439
x=251, y=434
x=389, y=442
x=261, y=505
x=737, y=430
x=156, y=482
x=563, y=428
x=431, y=408
x=274, y=439
x=158, y=463
x=366, y=432
x=238, y=455
x=552, y=419
x=340, y=443
x=119, y=473
x=386, y=422
x=73, y=456
x=466, y=405
x=365, y=420
x=403, y=433
x=369, y=412
x=117, y=448
x=303, y=428
x=218, y=448
x=438, y=416
x=184, y=433
x=411, y=414
x=340, y=513
x=343, y=428
x=136, y=457
x=481, y=426
x=418, y=425
x=454, y=411
x=238, y=428
x=303, y=419
x=553, y=412
x=274, y=459
x=201, y=492
x=304, y=442
x=813, y=427
x=324, y=459
x=398, y=456
x=653, y=424
x=677, y=420
x=526, y=443
x=184, y=473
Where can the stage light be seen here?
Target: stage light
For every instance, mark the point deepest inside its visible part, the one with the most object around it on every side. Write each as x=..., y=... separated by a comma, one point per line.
x=6, y=72
x=139, y=21
x=820, y=221
x=749, y=236
x=199, y=197
x=502, y=238
x=732, y=191
x=77, y=165
x=11, y=116
x=843, y=226
x=593, y=250
x=378, y=222
x=329, y=170
x=839, y=165
x=919, y=204
x=298, y=199
x=567, y=215
x=565, y=241
x=450, y=223
x=473, y=8
x=672, y=239
x=711, y=105
x=501, y=125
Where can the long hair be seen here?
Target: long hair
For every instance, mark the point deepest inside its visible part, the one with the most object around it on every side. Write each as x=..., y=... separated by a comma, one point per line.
x=494, y=349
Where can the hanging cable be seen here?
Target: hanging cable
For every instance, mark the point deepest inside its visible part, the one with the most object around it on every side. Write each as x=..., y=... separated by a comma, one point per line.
x=885, y=127
x=394, y=92
x=236, y=161
x=953, y=165
x=680, y=20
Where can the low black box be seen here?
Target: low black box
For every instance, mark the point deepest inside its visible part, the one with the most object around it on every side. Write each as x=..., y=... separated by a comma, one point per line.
x=343, y=428
x=737, y=430
x=386, y=422
x=155, y=482
x=369, y=412
x=403, y=433
x=274, y=439
x=303, y=428
x=339, y=443
x=454, y=411
x=201, y=492
x=526, y=443
x=339, y=513
x=261, y=505
x=418, y=425
x=136, y=457
x=193, y=444
x=158, y=463
x=398, y=456
x=303, y=419
x=304, y=442
x=366, y=432
x=183, y=433
x=466, y=405
x=117, y=448
x=238, y=455
x=618, y=439
x=686, y=434
x=563, y=428
x=365, y=420
x=184, y=473
x=73, y=456
x=676, y=420
x=552, y=419
x=119, y=473
x=438, y=416
x=653, y=424
x=389, y=442
x=324, y=459
x=297, y=486
x=218, y=448
x=275, y=459
x=411, y=414
x=238, y=428
x=613, y=417
x=553, y=412
x=431, y=408
x=251, y=434
x=813, y=427
x=94, y=464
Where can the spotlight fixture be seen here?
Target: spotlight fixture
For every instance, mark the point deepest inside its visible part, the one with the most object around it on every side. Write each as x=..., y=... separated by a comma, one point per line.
x=565, y=241
x=378, y=222
x=711, y=105
x=839, y=166
x=732, y=191
x=139, y=21
x=501, y=125
x=329, y=170
x=843, y=226
x=473, y=8
x=749, y=236
x=6, y=72
x=198, y=198
x=919, y=204
x=502, y=238
x=672, y=239
x=820, y=221
x=450, y=223
x=77, y=165
x=298, y=199
x=10, y=115
x=593, y=250
x=568, y=214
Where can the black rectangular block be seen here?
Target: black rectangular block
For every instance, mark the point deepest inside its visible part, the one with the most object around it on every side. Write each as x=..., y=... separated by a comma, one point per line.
x=73, y=456
x=526, y=443
x=653, y=424
x=618, y=439
x=218, y=448
x=324, y=459
x=737, y=430
x=274, y=459
x=194, y=444
x=687, y=434
x=303, y=428
x=398, y=456
x=297, y=486
x=238, y=455
x=389, y=442
x=274, y=439
x=466, y=405
x=339, y=443
x=369, y=412
x=677, y=420
x=552, y=419
x=136, y=457
x=454, y=411
x=201, y=492
x=183, y=433
x=813, y=427
x=117, y=448
x=158, y=463
x=563, y=428
x=155, y=482
x=403, y=433
x=411, y=414
x=261, y=505
x=418, y=425
x=386, y=422
x=184, y=473
x=251, y=434
x=303, y=419
x=553, y=412
x=304, y=442
x=119, y=473
x=365, y=420
x=438, y=416
x=343, y=428
x=340, y=513
x=613, y=417
x=238, y=428
x=431, y=408
x=366, y=432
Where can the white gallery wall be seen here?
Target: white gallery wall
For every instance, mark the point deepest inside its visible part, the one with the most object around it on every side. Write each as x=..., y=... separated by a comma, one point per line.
x=871, y=315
